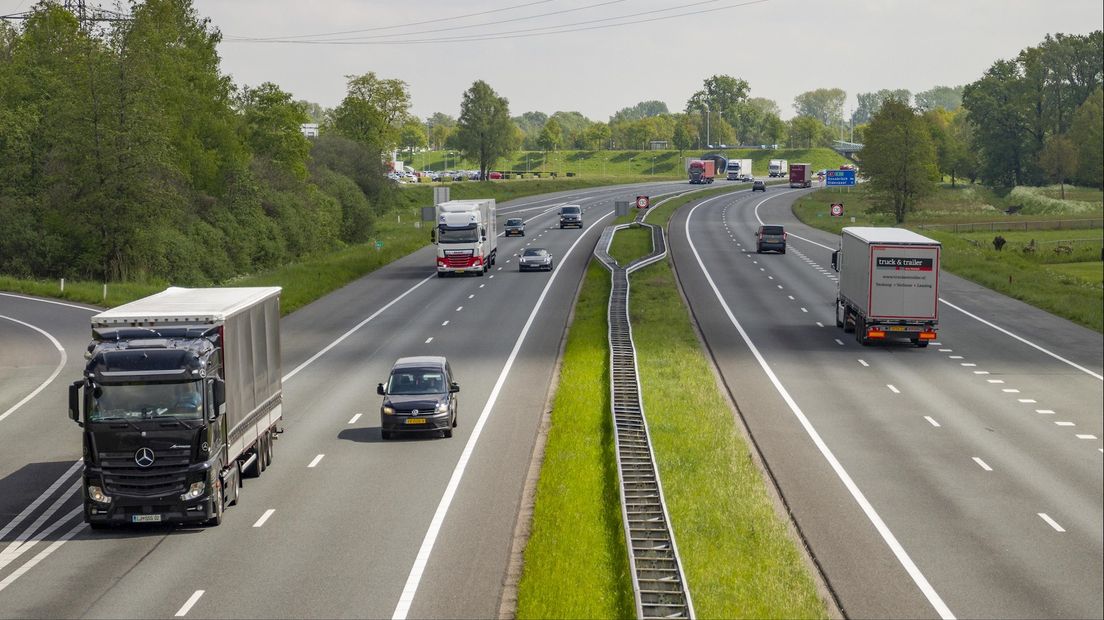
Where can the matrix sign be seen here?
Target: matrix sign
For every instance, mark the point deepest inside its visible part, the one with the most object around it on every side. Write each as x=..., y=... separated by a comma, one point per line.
x=839, y=177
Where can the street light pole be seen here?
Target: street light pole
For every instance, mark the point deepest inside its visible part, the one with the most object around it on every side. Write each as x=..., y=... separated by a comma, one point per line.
x=708, y=142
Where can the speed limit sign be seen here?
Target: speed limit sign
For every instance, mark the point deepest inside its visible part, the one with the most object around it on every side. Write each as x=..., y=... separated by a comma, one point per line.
x=837, y=209
x=641, y=202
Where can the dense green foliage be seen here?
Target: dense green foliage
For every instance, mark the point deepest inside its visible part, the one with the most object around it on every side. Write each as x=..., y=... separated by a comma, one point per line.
x=898, y=158
x=485, y=132
x=127, y=155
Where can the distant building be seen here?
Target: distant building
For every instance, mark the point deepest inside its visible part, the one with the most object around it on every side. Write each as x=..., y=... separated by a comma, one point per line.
x=658, y=145
x=309, y=130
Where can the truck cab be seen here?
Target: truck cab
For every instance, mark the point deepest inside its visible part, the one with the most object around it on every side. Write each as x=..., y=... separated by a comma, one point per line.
x=465, y=236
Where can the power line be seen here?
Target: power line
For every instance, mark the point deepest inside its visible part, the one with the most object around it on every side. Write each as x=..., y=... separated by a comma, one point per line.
x=530, y=32
x=479, y=25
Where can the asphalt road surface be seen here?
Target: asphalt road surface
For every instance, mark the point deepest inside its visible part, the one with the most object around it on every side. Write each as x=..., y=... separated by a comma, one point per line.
x=342, y=524
x=962, y=480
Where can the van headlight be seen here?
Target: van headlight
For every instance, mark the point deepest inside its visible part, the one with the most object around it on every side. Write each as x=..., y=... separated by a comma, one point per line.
x=387, y=410
x=97, y=495
x=194, y=491
x=441, y=408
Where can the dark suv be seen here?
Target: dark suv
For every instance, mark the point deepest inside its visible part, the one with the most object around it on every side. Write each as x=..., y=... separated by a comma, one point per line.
x=420, y=395
x=770, y=237
x=514, y=226
x=571, y=215
x=758, y=186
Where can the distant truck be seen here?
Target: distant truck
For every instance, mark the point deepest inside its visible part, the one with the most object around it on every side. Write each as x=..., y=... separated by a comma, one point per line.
x=465, y=236
x=180, y=397
x=701, y=171
x=778, y=168
x=888, y=284
x=801, y=175
x=739, y=169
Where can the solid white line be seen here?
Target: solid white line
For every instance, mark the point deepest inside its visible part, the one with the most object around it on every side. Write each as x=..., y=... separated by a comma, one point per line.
x=192, y=600
x=871, y=514
x=50, y=379
x=863, y=362
x=429, y=340
x=893, y=388
x=314, y=462
x=1051, y=522
x=932, y=421
x=353, y=420
x=406, y=599
x=354, y=329
x=982, y=464
x=1086, y=436
x=42, y=555
x=264, y=517
x=50, y=301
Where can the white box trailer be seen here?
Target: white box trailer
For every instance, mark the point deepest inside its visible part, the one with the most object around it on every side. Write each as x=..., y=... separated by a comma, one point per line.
x=466, y=235
x=888, y=284
x=739, y=169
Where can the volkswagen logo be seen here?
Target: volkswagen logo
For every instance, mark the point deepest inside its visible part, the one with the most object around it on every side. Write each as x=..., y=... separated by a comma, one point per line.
x=144, y=457
x=414, y=412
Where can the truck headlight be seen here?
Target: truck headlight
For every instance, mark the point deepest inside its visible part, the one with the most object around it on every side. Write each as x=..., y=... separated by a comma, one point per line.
x=441, y=408
x=194, y=491
x=97, y=495
x=388, y=410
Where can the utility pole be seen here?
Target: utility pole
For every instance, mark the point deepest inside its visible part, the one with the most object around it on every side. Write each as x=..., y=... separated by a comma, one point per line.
x=708, y=142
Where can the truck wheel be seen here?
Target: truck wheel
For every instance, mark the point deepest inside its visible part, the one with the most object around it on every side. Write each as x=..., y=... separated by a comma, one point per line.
x=447, y=433
x=848, y=321
x=237, y=485
x=99, y=526
x=220, y=506
x=839, y=322
x=262, y=452
x=919, y=344
x=440, y=274
x=385, y=435
x=269, y=447
x=860, y=332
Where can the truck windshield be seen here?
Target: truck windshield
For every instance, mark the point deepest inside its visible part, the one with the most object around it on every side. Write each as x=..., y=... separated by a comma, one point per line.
x=145, y=401
x=409, y=381
x=452, y=234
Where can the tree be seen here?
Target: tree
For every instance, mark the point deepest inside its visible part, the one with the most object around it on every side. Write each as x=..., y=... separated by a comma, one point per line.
x=807, y=132
x=684, y=133
x=823, y=104
x=1059, y=160
x=271, y=127
x=947, y=97
x=721, y=95
x=1087, y=132
x=870, y=103
x=551, y=135
x=644, y=109
x=373, y=111
x=899, y=159
x=439, y=127
x=412, y=136
x=485, y=132
x=315, y=111
x=596, y=135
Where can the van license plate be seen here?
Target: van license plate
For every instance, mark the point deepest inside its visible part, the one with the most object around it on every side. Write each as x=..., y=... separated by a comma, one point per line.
x=415, y=421
x=145, y=518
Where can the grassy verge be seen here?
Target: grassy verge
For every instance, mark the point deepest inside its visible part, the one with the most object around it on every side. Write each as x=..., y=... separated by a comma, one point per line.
x=739, y=559
x=1062, y=275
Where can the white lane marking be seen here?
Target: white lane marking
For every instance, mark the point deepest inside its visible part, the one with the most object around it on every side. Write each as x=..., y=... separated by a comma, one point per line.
x=42, y=555
x=353, y=420
x=771, y=278
x=491, y=277
x=314, y=462
x=50, y=379
x=429, y=340
x=791, y=297
x=893, y=388
x=762, y=269
x=500, y=269
x=804, y=309
x=981, y=372
x=871, y=514
x=1086, y=436
x=954, y=357
x=268, y=513
x=982, y=464
x=472, y=295
x=445, y=323
x=1045, y=411
x=967, y=365
x=187, y=606
x=863, y=362
x=50, y=301
x=459, y=308
x=41, y=498
x=27, y=538
x=1027, y=400
x=946, y=350
x=1009, y=390
x=839, y=342
x=937, y=344
x=1065, y=423
x=1051, y=522
x=355, y=328
x=482, y=285
x=932, y=421
x=406, y=599
x=995, y=380
x=819, y=324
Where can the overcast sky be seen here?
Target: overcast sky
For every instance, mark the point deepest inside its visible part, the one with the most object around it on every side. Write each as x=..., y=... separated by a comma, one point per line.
x=780, y=47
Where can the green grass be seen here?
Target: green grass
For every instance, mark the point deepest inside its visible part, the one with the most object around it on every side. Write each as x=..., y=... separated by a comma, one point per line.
x=738, y=557
x=1038, y=278
x=1092, y=272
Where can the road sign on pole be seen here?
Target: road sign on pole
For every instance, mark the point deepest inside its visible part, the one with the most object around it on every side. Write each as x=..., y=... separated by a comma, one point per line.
x=837, y=209
x=839, y=178
x=641, y=202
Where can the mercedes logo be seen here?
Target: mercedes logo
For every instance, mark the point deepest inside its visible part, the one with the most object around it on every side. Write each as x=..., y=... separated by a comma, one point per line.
x=144, y=457
x=414, y=412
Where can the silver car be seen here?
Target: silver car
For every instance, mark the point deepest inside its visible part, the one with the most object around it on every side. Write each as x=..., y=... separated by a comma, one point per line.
x=535, y=259
x=514, y=226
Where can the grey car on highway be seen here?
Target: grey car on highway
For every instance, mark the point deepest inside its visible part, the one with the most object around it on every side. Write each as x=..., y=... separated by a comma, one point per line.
x=514, y=226
x=419, y=396
x=535, y=259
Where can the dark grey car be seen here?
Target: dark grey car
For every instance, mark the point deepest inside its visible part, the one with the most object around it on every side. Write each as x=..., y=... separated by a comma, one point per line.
x=419, y=396
x=770, y=237
x=571, y=215
x=537, y=259
x=758, y=186
x=514, y=226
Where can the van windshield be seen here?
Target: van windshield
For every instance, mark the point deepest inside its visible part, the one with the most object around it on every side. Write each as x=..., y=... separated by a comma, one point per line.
x=569, y=210
x=413, y=381
x=772, y=230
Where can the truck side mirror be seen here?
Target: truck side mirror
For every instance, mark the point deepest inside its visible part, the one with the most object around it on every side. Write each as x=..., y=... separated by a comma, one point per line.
x=454, y=387
x=380, y=390
x=835, y=260
x=433, y=235
x=483, y=232
x=218, y=394
x=74, y=401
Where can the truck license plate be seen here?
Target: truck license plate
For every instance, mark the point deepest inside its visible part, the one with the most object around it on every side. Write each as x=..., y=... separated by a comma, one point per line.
x=459, y=271
x=897, y=328
x=145, y=518
x=415, y=421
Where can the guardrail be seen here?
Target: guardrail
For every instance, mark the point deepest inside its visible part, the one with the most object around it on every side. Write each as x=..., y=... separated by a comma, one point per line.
x=1081, y=223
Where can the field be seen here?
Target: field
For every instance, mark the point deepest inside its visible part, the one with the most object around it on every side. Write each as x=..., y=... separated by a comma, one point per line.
x=1051, y=258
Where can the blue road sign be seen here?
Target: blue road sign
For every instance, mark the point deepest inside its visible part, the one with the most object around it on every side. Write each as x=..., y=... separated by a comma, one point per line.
x=839, y=177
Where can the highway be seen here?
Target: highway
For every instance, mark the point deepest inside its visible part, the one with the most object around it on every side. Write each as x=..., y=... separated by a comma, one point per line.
x=961, y=480
x=342, y=524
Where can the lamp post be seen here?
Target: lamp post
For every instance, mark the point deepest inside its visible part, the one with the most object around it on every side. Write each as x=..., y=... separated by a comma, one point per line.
x=708, y=142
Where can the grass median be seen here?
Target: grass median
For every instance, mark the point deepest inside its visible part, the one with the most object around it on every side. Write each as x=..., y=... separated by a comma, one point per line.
x=738, y=556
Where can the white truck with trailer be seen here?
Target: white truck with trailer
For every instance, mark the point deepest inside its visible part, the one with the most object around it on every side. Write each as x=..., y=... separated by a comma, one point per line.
x=778, y=168
x=181, y=396
x=888, y=284
x=466, y=236
x=739, y=170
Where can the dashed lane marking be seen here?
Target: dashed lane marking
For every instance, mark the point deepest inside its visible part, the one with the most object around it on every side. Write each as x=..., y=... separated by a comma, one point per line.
x=893, y=388
x=314, y=462
x=863, y=362
x=353, y=420
x=982, y=464
x=1051, y=522
x=932, y=421
x=187, y=606
x=268, y=513
x=429, y=340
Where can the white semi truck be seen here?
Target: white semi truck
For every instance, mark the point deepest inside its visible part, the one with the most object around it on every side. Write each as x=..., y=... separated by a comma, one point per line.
x=888, y=284
x=466, y=236
x=739, y=170
x=778, y=168
x=180, y=397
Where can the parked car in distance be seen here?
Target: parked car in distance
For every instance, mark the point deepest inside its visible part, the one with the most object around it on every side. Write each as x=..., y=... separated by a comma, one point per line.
x=514, y=226
x=494, y=175
x=535, y=259
x=420, y=395
x=758, y=185
x=770, y=237
x=571, y=215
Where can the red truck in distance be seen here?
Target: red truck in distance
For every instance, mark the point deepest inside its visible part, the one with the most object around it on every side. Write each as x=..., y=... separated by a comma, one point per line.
x=701, y=171
x=801, y=175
